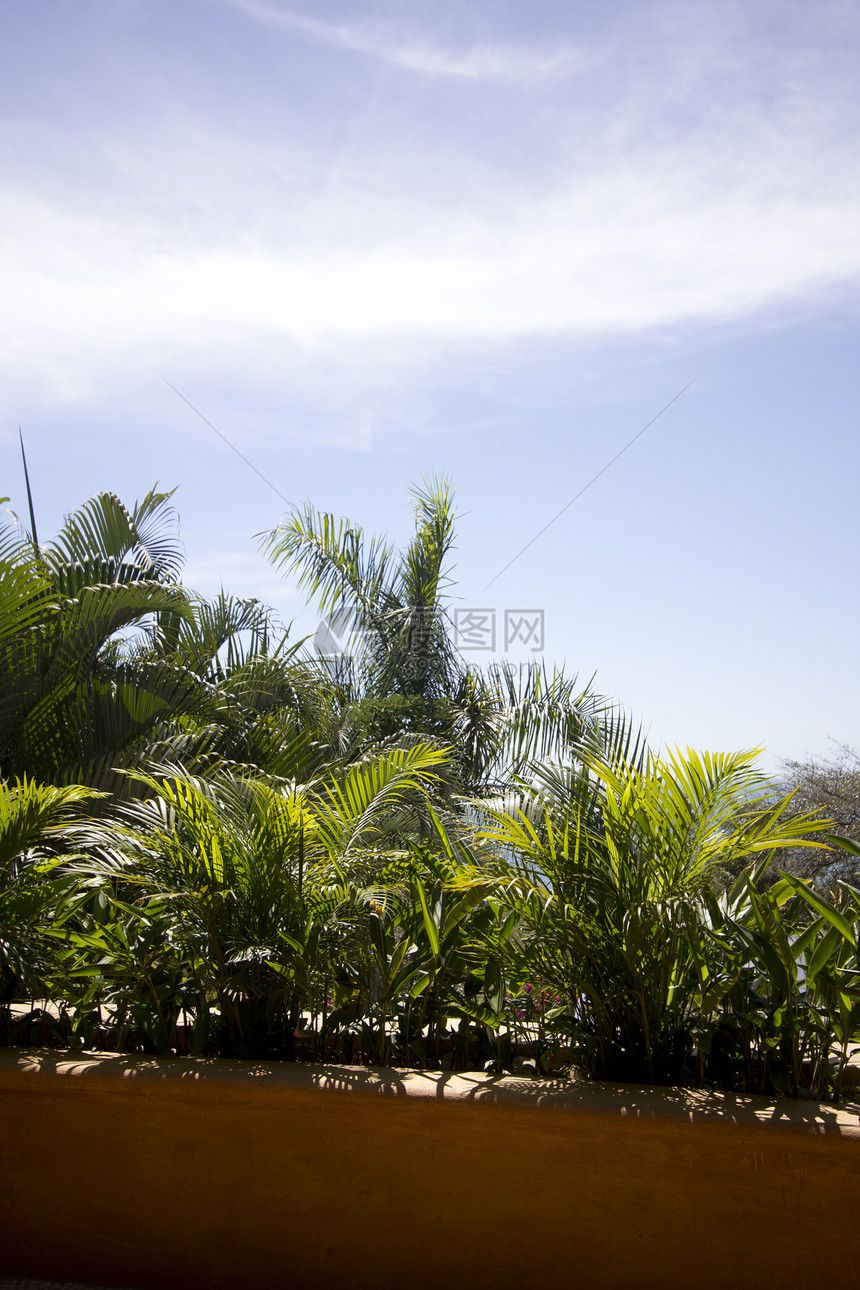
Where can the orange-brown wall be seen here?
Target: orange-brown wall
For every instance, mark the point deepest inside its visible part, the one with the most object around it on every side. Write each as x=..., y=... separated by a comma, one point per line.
x=236, y=1181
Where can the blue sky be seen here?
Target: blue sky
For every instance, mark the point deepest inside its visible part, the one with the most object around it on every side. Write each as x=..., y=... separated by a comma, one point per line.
x=372, y=242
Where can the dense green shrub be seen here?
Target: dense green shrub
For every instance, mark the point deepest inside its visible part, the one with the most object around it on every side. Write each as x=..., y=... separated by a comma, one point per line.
x=279, y=865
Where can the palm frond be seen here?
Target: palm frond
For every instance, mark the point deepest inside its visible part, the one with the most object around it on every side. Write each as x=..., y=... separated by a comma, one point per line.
x=350, y=807
x=334, y=563
x=145, y=536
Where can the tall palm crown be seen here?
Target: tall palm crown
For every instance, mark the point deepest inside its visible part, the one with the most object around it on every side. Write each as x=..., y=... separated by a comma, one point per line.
x=392, y=600
x=407, y=672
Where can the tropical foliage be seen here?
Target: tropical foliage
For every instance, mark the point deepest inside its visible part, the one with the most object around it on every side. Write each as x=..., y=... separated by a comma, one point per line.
x=399, y=670
x=612, y=866
x=212, y=842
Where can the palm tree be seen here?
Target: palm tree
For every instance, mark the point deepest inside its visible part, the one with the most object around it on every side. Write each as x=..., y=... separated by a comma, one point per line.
x=73, y=697
x=107, y=662
x=268, y=705
x=608, y=864
x=242, y=875
x=393, y=601
x=406, y=678
x=39, y=826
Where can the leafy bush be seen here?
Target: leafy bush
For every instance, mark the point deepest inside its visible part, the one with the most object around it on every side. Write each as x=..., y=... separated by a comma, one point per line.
x=280, y=866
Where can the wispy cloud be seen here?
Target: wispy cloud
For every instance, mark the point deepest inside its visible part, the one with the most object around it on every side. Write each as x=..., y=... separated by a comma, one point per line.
x=657, y=240
x=480, y=62
x=677, y=199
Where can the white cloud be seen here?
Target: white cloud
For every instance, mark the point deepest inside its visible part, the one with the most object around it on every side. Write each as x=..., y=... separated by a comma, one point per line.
x=219, y=248
x=639, y=245
x=481, y=62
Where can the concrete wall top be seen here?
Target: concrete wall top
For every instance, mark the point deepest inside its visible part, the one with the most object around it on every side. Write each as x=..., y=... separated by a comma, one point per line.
x=559, y=1095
